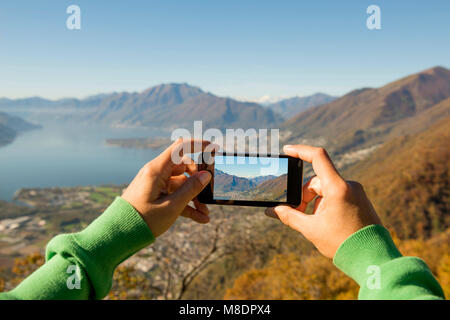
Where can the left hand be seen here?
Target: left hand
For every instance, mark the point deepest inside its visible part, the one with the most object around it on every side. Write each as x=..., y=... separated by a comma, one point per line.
x=340, y=207
x=161, y=191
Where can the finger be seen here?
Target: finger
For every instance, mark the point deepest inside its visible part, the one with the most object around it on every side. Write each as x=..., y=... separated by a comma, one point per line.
x=310, y=191
x=190, y=189
x=321, y=162
x=178, y=169
x=317, y=204
x=173, y=155
x=191, y=168
x=291, y=217
x=201, y=206
x=195, y=215
x=190, y=165
x=175, y=182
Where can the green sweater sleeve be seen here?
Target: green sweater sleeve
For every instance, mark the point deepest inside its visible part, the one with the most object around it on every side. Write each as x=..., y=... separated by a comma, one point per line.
x=370, y=257
x=81, y=265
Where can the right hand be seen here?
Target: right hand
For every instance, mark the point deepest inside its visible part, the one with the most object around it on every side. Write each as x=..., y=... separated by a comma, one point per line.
x=161, y=192
x=341, y=207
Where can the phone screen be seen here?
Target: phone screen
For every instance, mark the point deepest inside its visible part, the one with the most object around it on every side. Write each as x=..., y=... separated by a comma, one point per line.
x=250, y=178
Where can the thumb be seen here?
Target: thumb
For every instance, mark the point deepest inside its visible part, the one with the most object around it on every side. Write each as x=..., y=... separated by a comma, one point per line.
x=291, y=217
x=190, y=189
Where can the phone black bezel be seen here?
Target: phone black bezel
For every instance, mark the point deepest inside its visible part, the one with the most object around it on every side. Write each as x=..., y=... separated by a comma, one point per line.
x=294, y=183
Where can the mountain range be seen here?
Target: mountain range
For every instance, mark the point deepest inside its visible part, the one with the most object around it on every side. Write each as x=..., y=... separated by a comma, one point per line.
x=225, y=182
x=166, y=105
x=360, y=119
x=274, y=189
x=288, y=108
x=268, y=187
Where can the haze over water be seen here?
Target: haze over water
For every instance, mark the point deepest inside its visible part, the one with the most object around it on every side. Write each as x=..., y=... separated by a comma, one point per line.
x=70, y=155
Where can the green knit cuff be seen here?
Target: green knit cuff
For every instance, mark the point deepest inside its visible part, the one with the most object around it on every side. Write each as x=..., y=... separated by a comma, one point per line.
x=110, y=239
x=369, y=246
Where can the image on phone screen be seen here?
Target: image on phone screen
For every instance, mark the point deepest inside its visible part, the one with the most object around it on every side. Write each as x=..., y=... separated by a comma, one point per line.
x=250, y=178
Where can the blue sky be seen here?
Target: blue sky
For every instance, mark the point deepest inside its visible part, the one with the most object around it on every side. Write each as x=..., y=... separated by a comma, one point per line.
x=251, y=166
x=244, y=49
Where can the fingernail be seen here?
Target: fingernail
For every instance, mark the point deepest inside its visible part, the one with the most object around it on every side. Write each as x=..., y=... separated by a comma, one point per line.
x=269, y=212
x=204, y=177
x=288, y=146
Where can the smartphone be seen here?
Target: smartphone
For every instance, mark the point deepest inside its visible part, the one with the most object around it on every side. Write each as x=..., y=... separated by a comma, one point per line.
x=252, y=180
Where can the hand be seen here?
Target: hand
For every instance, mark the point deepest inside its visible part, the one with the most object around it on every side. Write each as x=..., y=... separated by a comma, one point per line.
x=161, y=191
x=340, y=208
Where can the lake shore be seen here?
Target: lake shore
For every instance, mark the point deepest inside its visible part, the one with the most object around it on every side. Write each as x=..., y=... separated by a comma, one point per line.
x=139, y=143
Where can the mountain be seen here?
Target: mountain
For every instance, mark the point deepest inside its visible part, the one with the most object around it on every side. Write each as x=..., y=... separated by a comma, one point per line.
x=228, y=182
x=260, y=179
x=367, y=116
x=41, y=103
x=292, y=106
x=224, y=182
x=138, y=108
x=166, y=105
x=33, y=102
x=262, y=188
x=176, y=105
x=218, y=113
x=272, y=189
x=11, y=126
x=408, y=181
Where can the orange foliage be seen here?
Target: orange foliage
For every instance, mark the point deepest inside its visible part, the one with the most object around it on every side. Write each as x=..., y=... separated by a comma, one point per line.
x=23, y=267
x=315, y=277
x=407, y=180
x=291, y=277
x=128, y=284
x=26, y=265
x=443, y=274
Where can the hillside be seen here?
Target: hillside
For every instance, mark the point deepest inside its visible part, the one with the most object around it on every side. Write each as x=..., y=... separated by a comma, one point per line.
x=261, y=188
x=368, y=116
x=11, y=126
x=408, y=181
x=288, y=108
x=261, y=179
x=214, y=111
x=272, y=189
x=138, y=107
x=225, y=183
x=166, y=105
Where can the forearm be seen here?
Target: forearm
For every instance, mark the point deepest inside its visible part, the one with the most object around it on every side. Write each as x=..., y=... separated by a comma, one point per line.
x=55, y=280
x=81, y=265
x=370, y=257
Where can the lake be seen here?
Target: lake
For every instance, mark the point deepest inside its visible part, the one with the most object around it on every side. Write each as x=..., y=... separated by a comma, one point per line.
x=70, y=155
